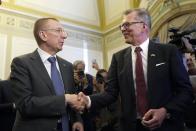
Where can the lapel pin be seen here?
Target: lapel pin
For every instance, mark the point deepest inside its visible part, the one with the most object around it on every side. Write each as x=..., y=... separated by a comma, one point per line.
x=152, y=55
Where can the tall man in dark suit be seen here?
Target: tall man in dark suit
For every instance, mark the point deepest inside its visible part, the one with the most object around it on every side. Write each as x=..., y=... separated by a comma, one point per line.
x=40, y=104
x=163, y=82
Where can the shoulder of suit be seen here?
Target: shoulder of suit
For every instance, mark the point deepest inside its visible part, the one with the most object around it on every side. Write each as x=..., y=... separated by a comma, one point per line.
x=123, y=51
x=163, y=45
x=25, y=56
x=60, y=59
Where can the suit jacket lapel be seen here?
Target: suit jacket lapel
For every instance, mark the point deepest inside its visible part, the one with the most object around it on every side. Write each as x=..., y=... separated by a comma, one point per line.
x=129, y=69
x=41, y=70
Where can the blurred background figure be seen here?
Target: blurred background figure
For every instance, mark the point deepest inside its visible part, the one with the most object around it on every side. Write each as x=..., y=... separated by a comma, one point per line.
x=190, y=120
x=84, y=83
x=101, y=79
x=190, y=61
x=107, y=118
x=7, y=106
x=95, y=64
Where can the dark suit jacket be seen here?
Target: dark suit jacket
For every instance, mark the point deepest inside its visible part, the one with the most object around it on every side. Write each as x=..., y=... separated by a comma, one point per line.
x=168, y=86
x=7, y=110
x=38, y=108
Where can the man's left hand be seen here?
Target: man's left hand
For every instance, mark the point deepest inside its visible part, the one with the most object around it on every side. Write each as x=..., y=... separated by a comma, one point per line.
x=77, y=126
x=154, y=118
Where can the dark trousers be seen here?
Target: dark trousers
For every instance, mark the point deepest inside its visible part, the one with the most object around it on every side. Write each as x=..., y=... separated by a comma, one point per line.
x=59, y=126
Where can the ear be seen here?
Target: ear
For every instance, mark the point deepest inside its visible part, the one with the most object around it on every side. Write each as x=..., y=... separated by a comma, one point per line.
x=42, y=35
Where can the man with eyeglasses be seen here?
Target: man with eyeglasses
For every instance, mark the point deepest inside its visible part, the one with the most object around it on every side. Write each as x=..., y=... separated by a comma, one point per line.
x=150, y=77
x=43, y=83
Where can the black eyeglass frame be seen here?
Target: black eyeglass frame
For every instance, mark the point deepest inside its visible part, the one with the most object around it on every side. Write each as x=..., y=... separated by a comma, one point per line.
x=126, y=25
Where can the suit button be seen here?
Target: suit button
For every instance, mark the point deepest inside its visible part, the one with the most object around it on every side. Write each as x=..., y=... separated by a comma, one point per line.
x=55, y=129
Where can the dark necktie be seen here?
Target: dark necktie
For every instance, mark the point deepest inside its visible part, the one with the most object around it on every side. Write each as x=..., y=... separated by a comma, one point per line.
x=59, y=88
x=141, y=89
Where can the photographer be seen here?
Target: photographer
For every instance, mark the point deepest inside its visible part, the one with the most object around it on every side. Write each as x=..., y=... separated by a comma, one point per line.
x=190, y=120
x=107, y=118
x=101, y=78
x=84, y=83
x=183, y=42
x=185, y=45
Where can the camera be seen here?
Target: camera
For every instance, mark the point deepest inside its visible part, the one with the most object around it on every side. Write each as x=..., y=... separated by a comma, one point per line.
x=176, y=38
x=100, y=79
x=81, y=74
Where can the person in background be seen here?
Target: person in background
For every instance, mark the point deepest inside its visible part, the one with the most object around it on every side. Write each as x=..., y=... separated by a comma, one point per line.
x=190, y=119
x=107, y=119
x=7, y=106
x=84, y=83
x=190, y=64
x=185, y=51
x=43, y=83
x=150, y=78
x=95, y=65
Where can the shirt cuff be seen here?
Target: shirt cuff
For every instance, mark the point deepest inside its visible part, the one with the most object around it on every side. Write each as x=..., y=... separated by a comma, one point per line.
x=89, y=102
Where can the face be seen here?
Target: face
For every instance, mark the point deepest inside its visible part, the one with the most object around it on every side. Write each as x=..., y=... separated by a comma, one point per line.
x=189, y=60
x=105, y=75
x=53, y=36
x=80, y=67
x=133, y=30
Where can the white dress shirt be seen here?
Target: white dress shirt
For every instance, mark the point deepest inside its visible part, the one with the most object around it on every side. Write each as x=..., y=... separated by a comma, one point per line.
x=144, y=54
x=44, y=57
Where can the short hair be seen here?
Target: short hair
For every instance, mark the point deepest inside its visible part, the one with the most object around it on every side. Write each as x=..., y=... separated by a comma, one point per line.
x=101, y=71
x=142, y=14
x=76, y=63
x=38, y=26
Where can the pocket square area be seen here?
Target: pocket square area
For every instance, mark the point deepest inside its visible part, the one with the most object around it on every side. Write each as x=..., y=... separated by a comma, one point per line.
x=160, y=64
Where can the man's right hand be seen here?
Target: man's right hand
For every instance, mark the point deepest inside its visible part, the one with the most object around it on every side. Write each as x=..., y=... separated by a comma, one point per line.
x=74, y=102
x=78, y=102
x=84, y=99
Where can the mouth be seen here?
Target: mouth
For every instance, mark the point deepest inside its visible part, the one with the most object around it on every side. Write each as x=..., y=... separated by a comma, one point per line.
x=61, y=44
x=126, y=35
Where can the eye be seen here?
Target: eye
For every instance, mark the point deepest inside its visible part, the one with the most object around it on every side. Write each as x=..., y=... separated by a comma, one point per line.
x=125, y=25
x=59, y=30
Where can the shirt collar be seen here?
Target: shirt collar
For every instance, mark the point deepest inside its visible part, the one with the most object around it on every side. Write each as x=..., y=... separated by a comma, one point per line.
x=44, y=55
x=144, y=45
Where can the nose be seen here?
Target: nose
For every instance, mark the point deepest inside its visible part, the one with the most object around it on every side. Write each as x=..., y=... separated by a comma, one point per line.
x=123, y=28
x=64, y=35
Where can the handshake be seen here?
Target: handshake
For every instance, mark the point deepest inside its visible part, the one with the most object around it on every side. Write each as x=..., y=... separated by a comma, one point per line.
x=78, y=101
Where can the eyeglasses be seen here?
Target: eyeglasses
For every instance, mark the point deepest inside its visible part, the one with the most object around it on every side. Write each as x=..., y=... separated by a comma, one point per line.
x=126, y=25
x=58, y=30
